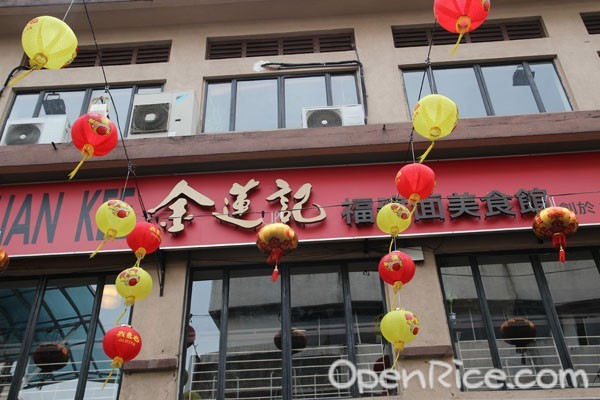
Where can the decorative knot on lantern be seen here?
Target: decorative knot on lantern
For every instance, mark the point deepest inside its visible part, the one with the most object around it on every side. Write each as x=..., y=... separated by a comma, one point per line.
x=121, y=344
x=434, y=117
x=461, y=16
x=276, y=240
x=415, y=182
x=114, y=218
x=49, y=43
x=94, y=135
x=555, y=223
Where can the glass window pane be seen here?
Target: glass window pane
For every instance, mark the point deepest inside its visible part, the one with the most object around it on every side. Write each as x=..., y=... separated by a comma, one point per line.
x=122, y=98
x=15, y=306
x=343, y=90
x=412, y=84
x=509, y=90
x=218, y=105
x=59, y=341
x=574, y=288
x=319, y=327
x=53, y=104
x=303, y=92
x=368, y=309
x=202, y=363
x=24, y=105
x=460, y=85
x=111, y=307
x=149, y=89
x=523, y=335
x=464, y=315
x=549, y=86
x=256, y=105
x=253, y=361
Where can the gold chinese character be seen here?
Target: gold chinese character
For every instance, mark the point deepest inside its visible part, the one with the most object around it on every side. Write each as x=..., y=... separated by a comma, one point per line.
x=301, y=197
x=240, y=206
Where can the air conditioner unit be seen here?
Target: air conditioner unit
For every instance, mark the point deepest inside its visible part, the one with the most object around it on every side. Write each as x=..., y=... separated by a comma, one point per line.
x=321, y=117
x=48, y=129
x=164, y=114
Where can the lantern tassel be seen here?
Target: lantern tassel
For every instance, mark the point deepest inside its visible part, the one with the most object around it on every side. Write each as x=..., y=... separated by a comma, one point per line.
x=87, y=151
x=116, y=363
x=72, y=173
x=120, y=316
x=275, y=274
x=20, y=76
x=424, y=155
x=460, y=36
x=398, y=347
x=561, y=255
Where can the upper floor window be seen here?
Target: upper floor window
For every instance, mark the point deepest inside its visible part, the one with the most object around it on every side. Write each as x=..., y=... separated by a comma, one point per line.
x=271, y=103
x=75, y=102
x=122, y=55
x=592, y=23
x=482, y=90
x=525, y=316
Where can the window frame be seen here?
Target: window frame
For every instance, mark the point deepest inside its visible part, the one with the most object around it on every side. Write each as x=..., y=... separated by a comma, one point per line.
x=280, y=80
x=344, y=268
x=477, y=68
x=487, y=320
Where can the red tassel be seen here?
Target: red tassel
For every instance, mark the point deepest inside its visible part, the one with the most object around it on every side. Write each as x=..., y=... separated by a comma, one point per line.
x=275, y=275
x=559, y=239
x=561, y=255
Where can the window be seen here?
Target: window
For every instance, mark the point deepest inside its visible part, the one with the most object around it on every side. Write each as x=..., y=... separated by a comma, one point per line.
x=271, y=103
x=482, y=90
x=331, y=312
x=52, y=331
x=75, y=102
x=527, y=315
x=591, y=22
x=122, y=55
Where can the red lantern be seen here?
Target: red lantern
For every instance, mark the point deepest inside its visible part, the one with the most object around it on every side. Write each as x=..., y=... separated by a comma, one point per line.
x=144, y=239
x=121, y=343
x=415, y=182
x=276, y=240
x=94, y=135
x=396, y=268
x=3, y=260
x=51, y=357
x=191, y=336
x=460, y=16
x=555, y=223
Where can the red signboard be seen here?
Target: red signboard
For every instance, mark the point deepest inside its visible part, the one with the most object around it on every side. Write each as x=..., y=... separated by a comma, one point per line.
x=224, y=209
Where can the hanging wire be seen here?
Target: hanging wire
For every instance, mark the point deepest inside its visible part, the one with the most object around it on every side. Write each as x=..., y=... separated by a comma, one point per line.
x=130, y=165
x=426, y=71
x=68, y=9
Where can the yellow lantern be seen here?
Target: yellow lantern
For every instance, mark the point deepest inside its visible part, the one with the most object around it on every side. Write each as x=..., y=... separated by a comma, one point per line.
x=114, y=218
x=434, y=117
x=49, y=43
x=133, y=284
x=399, y=327
x=393, y=218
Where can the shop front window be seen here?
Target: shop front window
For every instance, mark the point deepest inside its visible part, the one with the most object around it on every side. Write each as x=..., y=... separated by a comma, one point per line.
x=480, y=90
x=526, y=318
x=52, y=333
x=278, y=340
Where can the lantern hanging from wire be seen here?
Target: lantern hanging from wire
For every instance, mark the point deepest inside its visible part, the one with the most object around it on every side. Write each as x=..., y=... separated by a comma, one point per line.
x=399, y=327
x=145, y=238
x=132, y=284
x=276, y=240
x=460, y=16
x=49, y=43
x=415, y=182
x=121, y=344
x=393, y=218
x=555, y=223
x=94, y=135
x=396, y=269
x=434, y=117
x=114, y=218
x=4, y=260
